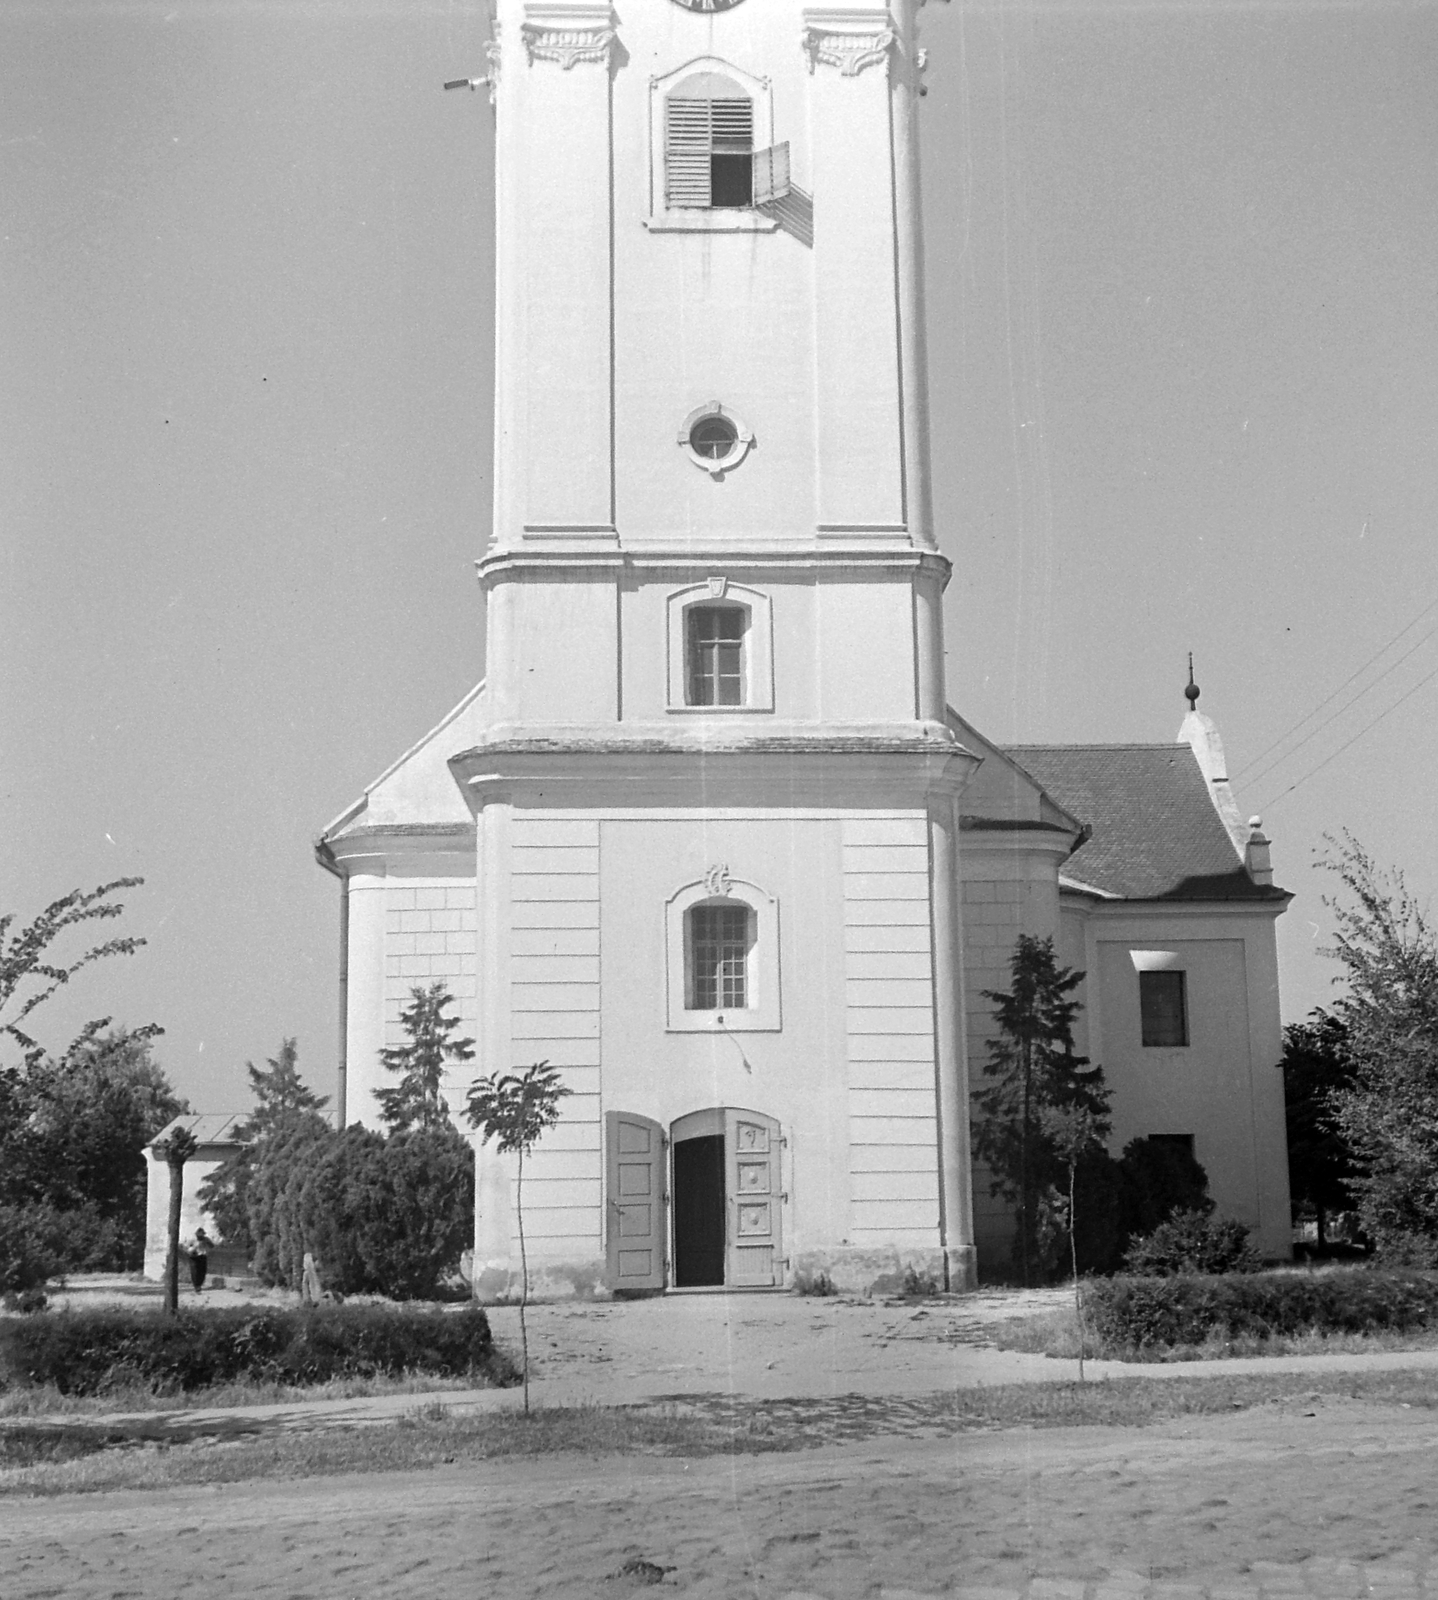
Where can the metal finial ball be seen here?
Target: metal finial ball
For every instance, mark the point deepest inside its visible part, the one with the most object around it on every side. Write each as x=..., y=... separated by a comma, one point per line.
x=1191, y=695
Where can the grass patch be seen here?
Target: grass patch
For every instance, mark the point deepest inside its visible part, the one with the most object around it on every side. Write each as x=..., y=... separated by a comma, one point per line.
x=59, y=1458
x=45, y=1400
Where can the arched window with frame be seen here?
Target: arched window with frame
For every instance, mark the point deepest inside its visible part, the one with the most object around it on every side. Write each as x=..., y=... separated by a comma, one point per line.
x=721, y=937
x=719, y=946
x=708, y=144
x=713, y=164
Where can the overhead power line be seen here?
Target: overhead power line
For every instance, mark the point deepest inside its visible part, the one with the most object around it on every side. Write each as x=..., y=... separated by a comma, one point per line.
x=1346, y=706
x=1248, y=769
x=1354, y=740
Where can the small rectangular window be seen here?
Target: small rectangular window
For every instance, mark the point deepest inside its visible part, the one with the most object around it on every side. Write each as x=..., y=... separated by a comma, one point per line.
x=715, y=649
x=708, y=152
x=1163, y=1004
x=720, y=943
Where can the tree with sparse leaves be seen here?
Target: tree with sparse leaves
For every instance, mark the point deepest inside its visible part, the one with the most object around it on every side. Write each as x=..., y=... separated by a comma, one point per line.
x=1034, y=1067
x=1388, y=1114
x=417, y=1100
x=30, y=974
x=514, y=1110
x=1074, y=1132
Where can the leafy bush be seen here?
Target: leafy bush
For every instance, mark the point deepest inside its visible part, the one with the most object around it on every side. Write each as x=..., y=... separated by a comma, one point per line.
x=1190, y=1241
x=72, y=1138
x=1147, y=1312
x=818, y=1284
x=1118, y=1201
x=89, y=1352
x=380, y=1216
x=30, y=1247
x=1160, y=1177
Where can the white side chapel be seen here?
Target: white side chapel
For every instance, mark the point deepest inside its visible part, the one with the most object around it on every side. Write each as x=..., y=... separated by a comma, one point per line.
x=709, y=835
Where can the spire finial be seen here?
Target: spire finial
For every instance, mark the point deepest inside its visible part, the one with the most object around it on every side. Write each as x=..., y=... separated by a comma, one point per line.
x=1191, y=692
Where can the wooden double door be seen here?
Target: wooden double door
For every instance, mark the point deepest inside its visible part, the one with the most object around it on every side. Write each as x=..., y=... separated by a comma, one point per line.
x=697, y=1208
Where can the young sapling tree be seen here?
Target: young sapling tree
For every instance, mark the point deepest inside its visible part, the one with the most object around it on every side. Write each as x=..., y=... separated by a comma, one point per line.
x=1074, y=1132
x=514, y=1110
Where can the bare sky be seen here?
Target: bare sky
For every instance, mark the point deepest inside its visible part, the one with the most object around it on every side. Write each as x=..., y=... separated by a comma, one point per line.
x=1183, y=304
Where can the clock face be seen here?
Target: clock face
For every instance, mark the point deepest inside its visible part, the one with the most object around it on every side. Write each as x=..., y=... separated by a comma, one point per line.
x=707, y=5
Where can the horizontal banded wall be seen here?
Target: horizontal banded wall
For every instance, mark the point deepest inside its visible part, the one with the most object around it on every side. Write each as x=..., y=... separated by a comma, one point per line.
x=889, y=1004
x=554, y=1012
x=430, y=937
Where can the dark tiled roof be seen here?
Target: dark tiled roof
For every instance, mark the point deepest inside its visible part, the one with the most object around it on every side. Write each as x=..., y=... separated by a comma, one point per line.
x=1156, y=833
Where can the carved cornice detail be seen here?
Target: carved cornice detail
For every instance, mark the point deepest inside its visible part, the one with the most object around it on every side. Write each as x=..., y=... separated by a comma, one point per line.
x=568, y=34
x=848, y=40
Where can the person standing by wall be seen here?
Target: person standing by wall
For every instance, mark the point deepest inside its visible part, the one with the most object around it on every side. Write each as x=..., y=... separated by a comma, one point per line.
x=199, y=1253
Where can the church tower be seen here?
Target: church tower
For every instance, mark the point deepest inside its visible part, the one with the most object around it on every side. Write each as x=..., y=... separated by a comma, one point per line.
x=695, y=838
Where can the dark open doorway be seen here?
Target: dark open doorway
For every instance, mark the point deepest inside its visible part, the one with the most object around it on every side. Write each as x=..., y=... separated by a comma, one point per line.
x=699, y=1212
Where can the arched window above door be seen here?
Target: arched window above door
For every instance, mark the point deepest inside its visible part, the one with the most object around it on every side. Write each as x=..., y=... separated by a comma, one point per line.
x=721, y=937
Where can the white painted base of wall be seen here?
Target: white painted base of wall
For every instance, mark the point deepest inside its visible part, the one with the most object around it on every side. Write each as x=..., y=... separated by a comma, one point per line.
x=852, y=1269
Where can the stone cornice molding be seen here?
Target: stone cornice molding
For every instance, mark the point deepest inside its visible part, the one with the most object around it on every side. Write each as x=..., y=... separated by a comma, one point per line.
x=568, y=34
x=848, y=39
x=366, y=849
x=869, y=773
x=752, y=559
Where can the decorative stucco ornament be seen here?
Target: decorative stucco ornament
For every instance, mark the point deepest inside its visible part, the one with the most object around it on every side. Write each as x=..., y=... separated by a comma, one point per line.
x=568, y=34
x=849, y=41
x=716, y=878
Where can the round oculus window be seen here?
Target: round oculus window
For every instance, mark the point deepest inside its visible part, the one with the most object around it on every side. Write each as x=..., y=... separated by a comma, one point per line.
x=713, y=437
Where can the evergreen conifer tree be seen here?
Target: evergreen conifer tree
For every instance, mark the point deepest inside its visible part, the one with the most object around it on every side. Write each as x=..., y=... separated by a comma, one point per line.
x=417, y=1101
x=1034, y=1067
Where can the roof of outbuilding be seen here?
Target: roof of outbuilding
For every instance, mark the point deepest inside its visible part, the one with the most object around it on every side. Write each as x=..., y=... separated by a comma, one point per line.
x=1156, y=832
x=212, y=1127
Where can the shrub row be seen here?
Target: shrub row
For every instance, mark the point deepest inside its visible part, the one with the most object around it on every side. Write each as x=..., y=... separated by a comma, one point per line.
x=1142, y=1312
x=91, y=1352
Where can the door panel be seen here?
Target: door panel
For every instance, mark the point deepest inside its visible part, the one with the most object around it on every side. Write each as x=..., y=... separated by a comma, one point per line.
x=636, y=1226
x=755, y=1226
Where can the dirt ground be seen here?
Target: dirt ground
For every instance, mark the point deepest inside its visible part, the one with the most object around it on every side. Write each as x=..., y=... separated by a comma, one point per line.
x=1275, y=1501
x=1322, y=1497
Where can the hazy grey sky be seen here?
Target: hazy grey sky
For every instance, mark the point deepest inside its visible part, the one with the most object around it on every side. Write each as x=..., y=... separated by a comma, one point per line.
x=1183, y=302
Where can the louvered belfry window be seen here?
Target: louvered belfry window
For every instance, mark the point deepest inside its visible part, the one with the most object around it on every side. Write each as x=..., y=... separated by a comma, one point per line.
x=708, y=148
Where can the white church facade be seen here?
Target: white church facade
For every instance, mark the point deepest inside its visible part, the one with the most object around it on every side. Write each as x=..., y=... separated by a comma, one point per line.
x=709, y=836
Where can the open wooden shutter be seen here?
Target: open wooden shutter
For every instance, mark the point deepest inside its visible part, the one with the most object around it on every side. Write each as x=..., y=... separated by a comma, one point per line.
x=771, y=174
x=751, y=1143
x=636, y=1221
x=695, y=130
x=687, y=145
